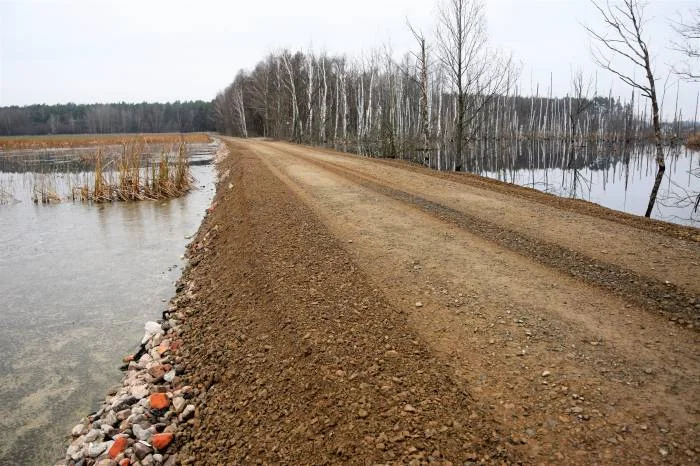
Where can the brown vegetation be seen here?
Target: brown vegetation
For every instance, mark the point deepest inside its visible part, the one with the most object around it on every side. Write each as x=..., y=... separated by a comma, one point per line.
x=135, y=180
x=693, y=141
x=90, y=140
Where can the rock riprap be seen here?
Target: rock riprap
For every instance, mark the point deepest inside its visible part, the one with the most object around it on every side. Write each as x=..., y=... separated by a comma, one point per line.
x=137, y=423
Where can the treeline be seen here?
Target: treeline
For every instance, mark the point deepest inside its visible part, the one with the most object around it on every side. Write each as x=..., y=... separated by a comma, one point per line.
x=107, y=118
x=432, y=105
x=377, y=106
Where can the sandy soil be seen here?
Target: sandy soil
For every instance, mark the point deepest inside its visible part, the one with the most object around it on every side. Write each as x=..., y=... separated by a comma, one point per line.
x=348, y=310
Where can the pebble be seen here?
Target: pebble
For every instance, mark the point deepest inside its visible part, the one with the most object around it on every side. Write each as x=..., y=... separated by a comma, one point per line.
x=141, y=433
x=93, y=435
x=179, y=404
x=546, y=374
x=419, y=304
x=75, y=452
x=96, y=449
x=104, y=462
x=141, y=450
x=169, y=376
x=140, y=391
x=159, y=401
x=187, y=413
x=78, y=430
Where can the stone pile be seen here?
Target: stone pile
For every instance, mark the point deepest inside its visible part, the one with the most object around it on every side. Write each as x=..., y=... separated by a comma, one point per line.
x=138, y=421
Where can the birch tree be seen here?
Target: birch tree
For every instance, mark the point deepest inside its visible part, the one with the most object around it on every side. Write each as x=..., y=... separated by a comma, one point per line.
x=422, y=62
x=290, y=83
x=624, y=37
x=239, y=104
x=477, y=74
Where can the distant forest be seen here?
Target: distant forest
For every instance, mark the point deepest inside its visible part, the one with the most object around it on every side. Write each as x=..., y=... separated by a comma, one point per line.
x=107, y=118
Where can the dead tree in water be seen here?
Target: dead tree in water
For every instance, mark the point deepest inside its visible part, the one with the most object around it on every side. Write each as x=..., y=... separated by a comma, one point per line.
x=578, y=104
x=422, y=62
x=624, y=38
x=476, y=73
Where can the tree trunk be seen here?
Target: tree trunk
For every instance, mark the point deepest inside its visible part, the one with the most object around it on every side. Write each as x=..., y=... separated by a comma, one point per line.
x=661, y=164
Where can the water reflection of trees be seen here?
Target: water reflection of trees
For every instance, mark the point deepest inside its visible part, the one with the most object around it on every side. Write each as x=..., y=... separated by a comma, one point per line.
x=558, y=167
x=494, y=156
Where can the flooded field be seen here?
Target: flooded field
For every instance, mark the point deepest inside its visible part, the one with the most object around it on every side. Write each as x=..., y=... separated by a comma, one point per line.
x=78, y=281
x=617, y=176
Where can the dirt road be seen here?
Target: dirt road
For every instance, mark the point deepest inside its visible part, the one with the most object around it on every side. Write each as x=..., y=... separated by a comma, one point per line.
x=353, y=310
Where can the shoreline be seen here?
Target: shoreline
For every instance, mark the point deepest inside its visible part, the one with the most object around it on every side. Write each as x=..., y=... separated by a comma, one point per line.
x=138, y=421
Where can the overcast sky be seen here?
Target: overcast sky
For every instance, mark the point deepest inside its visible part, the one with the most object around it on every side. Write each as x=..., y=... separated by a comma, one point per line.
x=91, y=51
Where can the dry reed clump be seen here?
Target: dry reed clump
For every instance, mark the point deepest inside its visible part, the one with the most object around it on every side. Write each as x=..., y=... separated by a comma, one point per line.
x=91, y=140
x=134, y=180
x=5, y=196
x=693, y=141
x=44, y=190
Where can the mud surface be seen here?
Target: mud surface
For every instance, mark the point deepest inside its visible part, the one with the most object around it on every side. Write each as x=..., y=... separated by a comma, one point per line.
x=350, y=311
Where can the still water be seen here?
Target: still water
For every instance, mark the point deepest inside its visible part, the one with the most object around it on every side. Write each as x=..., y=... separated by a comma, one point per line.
x=77, y=283
x=616, y=176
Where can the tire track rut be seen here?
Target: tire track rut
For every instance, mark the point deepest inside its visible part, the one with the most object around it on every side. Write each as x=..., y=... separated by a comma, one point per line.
x=668, y=299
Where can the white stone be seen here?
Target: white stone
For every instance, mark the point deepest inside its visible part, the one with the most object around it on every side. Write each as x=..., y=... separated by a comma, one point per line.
x=139, y=391
x=179, y=404
x=152, y=327
x=170, y=375
x=145, y=360
x=187, y=413
x=78, y=430
x=97, y=448
x=92, y=435
x=141, y=433
x=75, y=452
x=110, y=419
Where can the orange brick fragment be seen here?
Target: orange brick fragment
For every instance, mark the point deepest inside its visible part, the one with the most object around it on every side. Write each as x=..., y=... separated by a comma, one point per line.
x=161, y=441
x=159, y=401
x=117, y=447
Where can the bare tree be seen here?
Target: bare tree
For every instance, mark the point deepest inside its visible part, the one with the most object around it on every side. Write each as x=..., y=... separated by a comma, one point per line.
x=476, y=73
x=624, y=38
x=240, y=105
x=688, y=45
x=579, y=101
x=422, y=63
x=291, y=67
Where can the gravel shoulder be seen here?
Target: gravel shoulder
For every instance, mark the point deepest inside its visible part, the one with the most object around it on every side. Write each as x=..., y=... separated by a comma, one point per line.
x=346, y=310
